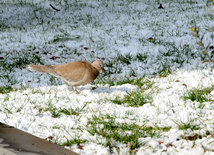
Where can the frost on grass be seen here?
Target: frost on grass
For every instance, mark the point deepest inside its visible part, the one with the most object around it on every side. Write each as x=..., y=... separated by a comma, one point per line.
x=157, y=94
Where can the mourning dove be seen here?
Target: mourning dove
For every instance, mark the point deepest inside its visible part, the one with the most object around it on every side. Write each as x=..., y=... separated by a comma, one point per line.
x=74, y=73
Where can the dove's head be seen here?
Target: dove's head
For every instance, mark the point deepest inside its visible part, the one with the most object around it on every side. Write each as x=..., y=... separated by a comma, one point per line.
x=98, y=64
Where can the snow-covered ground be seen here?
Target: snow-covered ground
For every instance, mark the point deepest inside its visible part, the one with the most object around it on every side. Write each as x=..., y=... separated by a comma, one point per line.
x=156, y=97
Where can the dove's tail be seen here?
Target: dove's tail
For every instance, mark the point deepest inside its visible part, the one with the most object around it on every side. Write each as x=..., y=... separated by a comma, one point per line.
x=47, y=69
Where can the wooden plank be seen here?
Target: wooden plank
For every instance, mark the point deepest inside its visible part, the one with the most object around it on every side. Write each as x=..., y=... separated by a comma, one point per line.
x=26, y=142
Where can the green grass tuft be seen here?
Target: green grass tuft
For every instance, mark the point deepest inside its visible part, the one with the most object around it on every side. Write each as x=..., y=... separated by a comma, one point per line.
x=199, y=95
x=73, y=141
x=129, y=134
x=57, y=112
x=139, y=97
x=19, y=60
x=5, y=90
x=134, y=98
x=165, y=71
x=188, y=125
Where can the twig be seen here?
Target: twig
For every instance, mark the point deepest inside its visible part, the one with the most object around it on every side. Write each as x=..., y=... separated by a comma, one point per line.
x=54, y=7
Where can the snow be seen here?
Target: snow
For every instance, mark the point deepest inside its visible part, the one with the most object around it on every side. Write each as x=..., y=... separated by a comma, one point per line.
x=108, y=29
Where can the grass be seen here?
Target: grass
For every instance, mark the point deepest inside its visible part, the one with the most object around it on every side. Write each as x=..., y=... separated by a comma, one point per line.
x=188, y=125
x=125, y=59
x=6, y=89
x=141, y=96
x=165, y=71
x=3, y=27
x=129, y=134
x=134, y=98
x=113, y=67
x=57, y=112
x=199, y=95
x=140, y=82
x=76, y=141
x=16, y=60
x=204, y=48
x=115, y=64
x=174, y=55
x=141, y=57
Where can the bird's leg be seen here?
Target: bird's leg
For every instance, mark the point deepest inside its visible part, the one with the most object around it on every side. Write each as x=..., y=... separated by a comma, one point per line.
x=71, y=84
x=74, y=84
x=75, y=90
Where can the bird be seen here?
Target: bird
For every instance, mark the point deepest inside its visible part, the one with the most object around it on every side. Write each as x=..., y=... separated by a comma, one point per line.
x=74, y=73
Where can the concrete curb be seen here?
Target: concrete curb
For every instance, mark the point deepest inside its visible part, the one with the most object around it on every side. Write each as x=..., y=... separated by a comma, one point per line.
x=4, y=151
x=16, y=142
